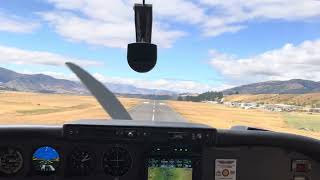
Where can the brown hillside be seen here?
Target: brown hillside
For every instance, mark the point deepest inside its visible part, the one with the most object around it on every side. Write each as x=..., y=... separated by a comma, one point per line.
x=294, y=99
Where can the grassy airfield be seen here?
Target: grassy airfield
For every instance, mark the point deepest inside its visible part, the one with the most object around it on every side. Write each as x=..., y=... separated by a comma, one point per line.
x=220, y=116
x=36, y=108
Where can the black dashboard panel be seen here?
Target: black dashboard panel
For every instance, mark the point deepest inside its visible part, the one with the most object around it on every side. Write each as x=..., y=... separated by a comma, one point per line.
x=259, y=162
x=136, y=150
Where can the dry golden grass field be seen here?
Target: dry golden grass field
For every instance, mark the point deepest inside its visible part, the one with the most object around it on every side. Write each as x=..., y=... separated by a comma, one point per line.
x=36, y=108
x=219, y=116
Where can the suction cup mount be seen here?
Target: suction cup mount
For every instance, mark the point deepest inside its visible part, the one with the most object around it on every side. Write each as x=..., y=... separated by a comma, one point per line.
x=142, y=55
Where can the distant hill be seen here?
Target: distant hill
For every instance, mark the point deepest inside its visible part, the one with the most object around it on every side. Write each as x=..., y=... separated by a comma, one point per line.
x=13, y=81
x=294, y=86
x=130, y=89
x=45, y=84
x=8, y=75
x=310, y=99
x=207, y=96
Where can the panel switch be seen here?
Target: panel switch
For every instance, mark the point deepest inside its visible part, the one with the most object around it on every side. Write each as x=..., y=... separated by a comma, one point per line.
x=302, y=166
x=300, y=178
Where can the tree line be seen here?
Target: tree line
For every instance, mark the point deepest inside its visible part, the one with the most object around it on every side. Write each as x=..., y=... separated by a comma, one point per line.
x=207, y=96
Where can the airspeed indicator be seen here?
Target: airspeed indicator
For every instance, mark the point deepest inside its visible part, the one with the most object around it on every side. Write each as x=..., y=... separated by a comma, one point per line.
x=11, y=161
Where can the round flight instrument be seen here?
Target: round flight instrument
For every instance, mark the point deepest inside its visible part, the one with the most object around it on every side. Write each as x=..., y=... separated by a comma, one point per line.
x=45, y=160
x=81, y=162
x=11, y=161
x=117, y=161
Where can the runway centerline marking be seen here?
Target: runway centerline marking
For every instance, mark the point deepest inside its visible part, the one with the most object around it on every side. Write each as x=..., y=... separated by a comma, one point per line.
x=153, y=110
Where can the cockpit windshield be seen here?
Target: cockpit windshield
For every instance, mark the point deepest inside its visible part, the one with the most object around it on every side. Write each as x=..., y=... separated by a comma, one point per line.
x=233, y=63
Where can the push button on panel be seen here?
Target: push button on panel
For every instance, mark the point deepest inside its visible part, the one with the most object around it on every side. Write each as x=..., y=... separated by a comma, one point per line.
x=302, y=166
x=300, y=178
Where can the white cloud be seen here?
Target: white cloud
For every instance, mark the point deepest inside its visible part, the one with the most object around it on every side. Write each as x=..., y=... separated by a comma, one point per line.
x=10, y=23
x=21, y=56
x=103, y=10
x=180, y=86
x=209, y=31
x=110, y=23
x=179, y=10
x=60, y=75
x=289, y=62
x=271, y=9
x=106, y=23
x=233, y=14
x=121, y=10
x=91, y=31
x=164, y=84
x=109, y=34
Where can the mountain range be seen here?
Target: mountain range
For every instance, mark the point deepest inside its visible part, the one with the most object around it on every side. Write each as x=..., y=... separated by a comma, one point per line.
x=13, y=81
x=294, y=86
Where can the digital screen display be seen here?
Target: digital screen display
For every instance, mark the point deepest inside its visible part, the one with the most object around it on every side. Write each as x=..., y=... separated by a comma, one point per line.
x=45, y=160
x=169, y=169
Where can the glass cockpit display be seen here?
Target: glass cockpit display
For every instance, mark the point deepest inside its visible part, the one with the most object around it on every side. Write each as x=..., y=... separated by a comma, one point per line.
x=45, y=160
x=169, y=169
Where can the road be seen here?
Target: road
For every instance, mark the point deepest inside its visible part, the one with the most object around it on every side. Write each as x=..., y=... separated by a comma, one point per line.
x=153, y=110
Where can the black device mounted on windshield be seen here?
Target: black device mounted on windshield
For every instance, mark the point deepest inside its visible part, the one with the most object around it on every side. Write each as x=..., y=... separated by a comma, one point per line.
x=142, y=55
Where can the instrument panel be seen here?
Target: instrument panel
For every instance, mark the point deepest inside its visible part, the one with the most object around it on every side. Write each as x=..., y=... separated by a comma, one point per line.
x=45, y=160
x=97, y=160
x=82, y=162
x=147, y=153
x=169, y=168
x=117, y=161
x=11, y=161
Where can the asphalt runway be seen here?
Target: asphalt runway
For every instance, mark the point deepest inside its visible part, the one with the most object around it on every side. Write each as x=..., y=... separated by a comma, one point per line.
x=154, y=110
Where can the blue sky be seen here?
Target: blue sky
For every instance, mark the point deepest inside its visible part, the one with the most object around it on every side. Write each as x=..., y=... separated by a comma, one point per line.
x=203, y=45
